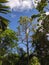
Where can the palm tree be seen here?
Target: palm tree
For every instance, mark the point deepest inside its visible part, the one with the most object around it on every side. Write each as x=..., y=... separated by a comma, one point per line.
x=3, y=23
x=3, y=10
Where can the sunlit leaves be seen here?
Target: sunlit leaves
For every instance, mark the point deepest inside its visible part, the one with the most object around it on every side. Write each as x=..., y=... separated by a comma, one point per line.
x=8, y=40
x=34, y=61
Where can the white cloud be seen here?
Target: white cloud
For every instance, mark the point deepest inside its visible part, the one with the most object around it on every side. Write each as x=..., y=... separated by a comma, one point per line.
x=22, y=4
x=47, y=13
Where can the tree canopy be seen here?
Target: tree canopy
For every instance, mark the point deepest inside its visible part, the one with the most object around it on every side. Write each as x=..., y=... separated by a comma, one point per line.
x=35, y=38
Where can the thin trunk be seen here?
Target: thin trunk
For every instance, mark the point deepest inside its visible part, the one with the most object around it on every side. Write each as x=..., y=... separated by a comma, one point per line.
x=27, y=50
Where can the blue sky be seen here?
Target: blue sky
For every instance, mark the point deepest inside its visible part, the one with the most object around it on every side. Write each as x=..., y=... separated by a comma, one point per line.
x=20, y=8
x=15, y=15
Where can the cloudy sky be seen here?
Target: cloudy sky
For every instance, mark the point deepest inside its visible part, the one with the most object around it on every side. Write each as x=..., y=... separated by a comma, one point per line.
x=20, y=8
x=22, y=4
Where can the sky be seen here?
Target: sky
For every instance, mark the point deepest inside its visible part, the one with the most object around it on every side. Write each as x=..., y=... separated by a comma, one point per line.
x=14, y=17
x=22, y=4
x=20, y=8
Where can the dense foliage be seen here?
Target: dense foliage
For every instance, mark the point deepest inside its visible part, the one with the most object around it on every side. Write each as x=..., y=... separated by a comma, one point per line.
x=37, y=44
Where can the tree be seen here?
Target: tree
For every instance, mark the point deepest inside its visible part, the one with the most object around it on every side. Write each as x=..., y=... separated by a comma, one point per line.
x=8, y=39
x=3, y=7
x=41, y=36
x=24, y=28
x=41, y=41
x=3, y=24
x=34, y=61
x=4, y=10
x=8, y=42
x=11, y=59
